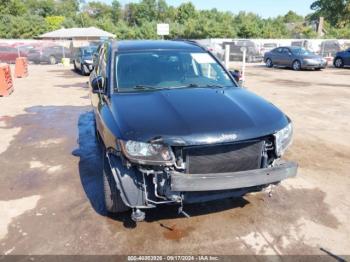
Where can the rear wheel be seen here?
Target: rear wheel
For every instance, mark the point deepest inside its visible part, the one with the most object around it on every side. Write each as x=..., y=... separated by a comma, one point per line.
x=113, y=201
x=338, y=62
x=269, y=63
x=296, y=65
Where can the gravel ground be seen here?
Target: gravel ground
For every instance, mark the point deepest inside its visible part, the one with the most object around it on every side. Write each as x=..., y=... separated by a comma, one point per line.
x=51, y=184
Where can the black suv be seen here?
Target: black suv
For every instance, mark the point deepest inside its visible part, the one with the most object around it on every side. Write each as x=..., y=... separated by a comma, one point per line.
x=177, y=128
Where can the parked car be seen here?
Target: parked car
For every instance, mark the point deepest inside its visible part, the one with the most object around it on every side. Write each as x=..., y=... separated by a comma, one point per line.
x=48, y=54
x=295, y=57
x=9, y=54
x=176, y=128
x=342, y=59
x=83, y=59
x=252, y=54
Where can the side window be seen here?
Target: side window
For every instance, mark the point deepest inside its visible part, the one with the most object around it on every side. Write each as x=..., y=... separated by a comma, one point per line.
x=285, y=51
x=279, y=50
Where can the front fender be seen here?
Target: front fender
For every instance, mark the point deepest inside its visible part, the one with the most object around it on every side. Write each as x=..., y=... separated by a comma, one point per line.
x=129, y=182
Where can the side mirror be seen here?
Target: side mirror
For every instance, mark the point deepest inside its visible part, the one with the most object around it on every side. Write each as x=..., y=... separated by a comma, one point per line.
x=97, y=85
x=236, y=75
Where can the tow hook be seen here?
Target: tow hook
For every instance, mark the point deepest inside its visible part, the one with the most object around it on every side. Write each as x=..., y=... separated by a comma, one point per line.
x=181, y=211
x=270, y=189
x=137, y=215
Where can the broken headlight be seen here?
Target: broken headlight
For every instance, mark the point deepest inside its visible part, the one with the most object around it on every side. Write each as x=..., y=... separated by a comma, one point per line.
x=146, y=153
x=283, y=139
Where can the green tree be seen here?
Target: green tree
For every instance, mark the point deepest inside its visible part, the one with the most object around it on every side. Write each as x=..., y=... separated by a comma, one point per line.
x=41, y=7
x=186, y=12
x=336, y=12
x=66, y=8
x=98, y=10
x=12, y=7
x=116, y=11
x=26, y=26
x=292, y=17
x=54, y=22
x=249, y=25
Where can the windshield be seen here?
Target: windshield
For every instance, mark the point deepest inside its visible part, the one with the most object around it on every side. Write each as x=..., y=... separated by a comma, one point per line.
x=168, y=69
x=88, y=52
x=301, y=51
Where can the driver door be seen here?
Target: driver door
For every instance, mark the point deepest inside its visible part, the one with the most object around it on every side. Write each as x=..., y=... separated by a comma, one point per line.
x=286, y=57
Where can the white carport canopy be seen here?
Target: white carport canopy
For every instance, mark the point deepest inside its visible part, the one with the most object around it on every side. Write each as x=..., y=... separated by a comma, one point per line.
x=71, y=33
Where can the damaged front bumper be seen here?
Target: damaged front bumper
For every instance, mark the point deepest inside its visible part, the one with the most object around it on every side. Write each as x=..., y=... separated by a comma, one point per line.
x=140, y=188
x=181, y=182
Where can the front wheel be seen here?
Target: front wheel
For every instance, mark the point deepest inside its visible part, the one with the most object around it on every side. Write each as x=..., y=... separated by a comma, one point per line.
x=269, y=63
x=84, y=70
x=113, y=201
x=296, y=65
x=338, y=62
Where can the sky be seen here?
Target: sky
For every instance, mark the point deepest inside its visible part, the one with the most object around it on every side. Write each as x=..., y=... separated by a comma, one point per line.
x=264, y=8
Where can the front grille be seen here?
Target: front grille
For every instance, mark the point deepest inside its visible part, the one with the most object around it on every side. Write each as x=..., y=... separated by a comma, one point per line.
x=224, y=158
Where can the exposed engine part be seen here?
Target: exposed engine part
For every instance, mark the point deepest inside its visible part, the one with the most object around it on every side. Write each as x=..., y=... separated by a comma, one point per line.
x=181, y=211
x=137, y=215
x=152, y=201
x=155, y=182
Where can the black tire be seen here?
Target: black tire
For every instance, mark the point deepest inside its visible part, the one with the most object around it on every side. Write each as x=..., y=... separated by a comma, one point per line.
x=52, y=60
x=318, y=69
x=296, y=66
x=269, y=63
x=113, y=201
x=338, y=62
x=84, y=70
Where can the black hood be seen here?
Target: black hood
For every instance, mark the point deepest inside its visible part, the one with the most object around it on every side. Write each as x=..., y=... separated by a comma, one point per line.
x=195, y=116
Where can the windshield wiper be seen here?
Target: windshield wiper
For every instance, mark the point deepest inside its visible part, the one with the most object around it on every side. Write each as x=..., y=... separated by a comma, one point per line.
x=214, y=86
x=192, y=85
x=201, y=86
x=144, y=87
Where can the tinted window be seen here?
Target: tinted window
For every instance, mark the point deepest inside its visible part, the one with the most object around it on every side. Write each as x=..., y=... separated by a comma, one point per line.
x=285, y=51
x=168, y=69
x=300, y=51
x=278, y=50
x=87, y=52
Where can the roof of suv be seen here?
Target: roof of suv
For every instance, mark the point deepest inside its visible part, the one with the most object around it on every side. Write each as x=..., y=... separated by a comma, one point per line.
x=142, y=45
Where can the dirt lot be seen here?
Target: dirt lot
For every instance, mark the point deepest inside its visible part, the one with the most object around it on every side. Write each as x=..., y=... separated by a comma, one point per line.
x=51, y=183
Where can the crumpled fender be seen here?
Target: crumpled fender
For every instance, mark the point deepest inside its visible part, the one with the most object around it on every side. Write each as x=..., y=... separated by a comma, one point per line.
x=129, y=182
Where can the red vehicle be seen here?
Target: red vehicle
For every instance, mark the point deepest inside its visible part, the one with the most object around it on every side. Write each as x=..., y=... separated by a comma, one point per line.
x=9, y=54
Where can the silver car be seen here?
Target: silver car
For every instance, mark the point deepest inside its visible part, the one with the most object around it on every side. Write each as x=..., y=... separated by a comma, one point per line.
x=294, y=57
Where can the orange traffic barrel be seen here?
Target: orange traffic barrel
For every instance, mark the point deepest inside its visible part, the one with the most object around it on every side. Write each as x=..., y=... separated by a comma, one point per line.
x=21, y=68
x=6, y=84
